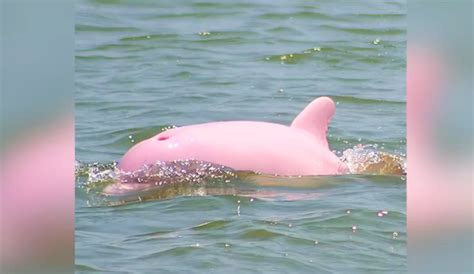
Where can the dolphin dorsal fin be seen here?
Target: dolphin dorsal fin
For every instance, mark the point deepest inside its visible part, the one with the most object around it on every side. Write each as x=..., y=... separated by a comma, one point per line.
x=315, y=118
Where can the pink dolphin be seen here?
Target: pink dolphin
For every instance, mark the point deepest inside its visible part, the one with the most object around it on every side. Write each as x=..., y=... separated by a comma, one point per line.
x=299, y=149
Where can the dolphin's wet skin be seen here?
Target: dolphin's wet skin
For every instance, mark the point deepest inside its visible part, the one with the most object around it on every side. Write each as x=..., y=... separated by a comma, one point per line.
x=269, y=148
x=109, y=185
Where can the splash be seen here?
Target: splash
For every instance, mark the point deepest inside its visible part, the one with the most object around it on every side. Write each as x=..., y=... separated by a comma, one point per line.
x=92, y=178
x=367, y=159
x=106, y=184
x=93, y=175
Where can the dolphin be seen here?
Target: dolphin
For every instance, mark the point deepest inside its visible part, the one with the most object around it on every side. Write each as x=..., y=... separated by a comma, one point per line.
x=262, y=147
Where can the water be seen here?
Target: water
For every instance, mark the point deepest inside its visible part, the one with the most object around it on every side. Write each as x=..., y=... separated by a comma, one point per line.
x=143, y=65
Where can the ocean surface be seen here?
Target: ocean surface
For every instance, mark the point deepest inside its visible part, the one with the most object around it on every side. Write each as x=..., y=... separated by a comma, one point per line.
x=145, y=65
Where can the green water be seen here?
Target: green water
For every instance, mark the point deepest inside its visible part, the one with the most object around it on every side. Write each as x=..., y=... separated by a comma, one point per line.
x=142, y=65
